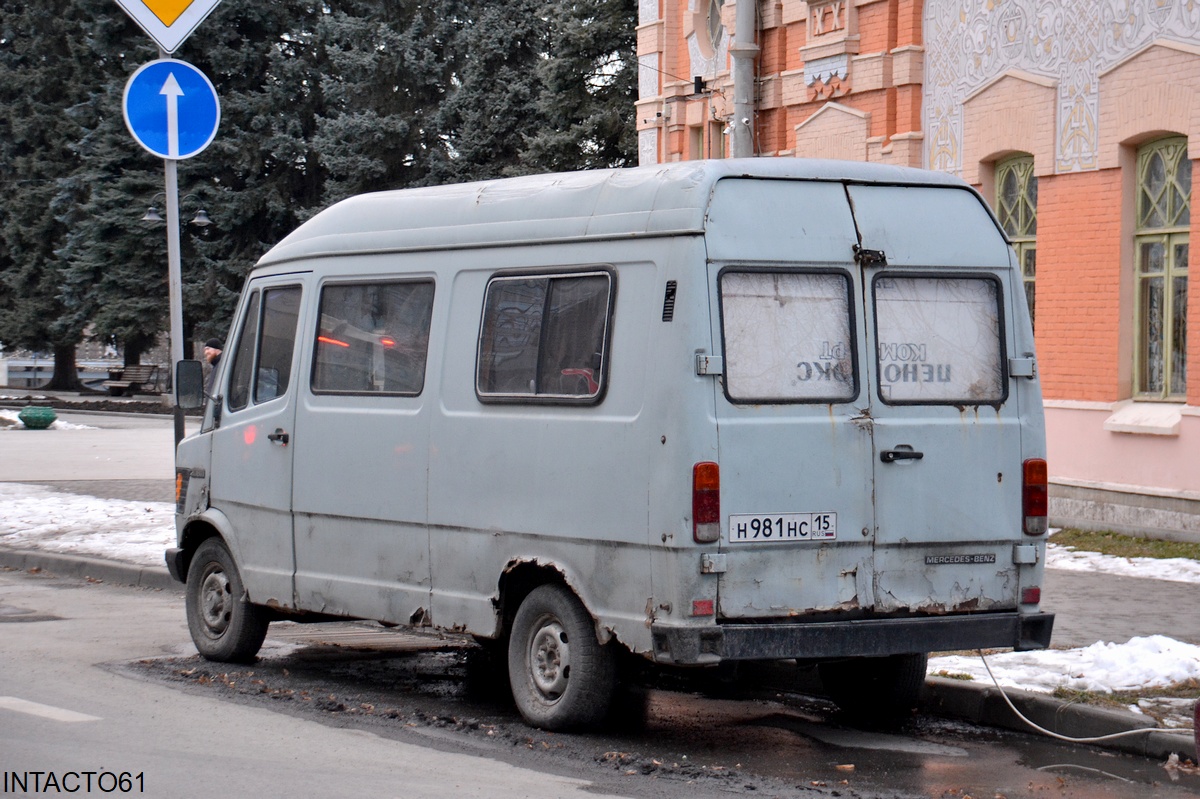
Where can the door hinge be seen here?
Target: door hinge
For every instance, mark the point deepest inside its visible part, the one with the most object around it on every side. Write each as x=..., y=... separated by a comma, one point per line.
x=709, y=364
x=869, y=258
x=712, y=563
x=1022, y=367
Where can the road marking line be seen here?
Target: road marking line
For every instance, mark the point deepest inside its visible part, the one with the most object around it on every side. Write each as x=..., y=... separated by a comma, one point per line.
x=45, y=711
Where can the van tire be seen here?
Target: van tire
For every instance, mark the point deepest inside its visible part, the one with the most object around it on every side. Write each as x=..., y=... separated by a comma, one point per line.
x=560, y=674
x=881, y=690
x=224, y=626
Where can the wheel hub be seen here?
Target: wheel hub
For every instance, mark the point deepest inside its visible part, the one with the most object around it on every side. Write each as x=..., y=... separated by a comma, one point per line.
x=215, y=601
x=551, y=659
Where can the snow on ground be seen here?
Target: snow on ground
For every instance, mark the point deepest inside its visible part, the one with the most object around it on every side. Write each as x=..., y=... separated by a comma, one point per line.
x=9, y=421
x=1183, y=570
x=35, y=517
x=1146, y=662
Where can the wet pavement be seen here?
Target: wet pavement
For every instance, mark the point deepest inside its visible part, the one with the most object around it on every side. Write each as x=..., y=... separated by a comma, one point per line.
x=676, y=728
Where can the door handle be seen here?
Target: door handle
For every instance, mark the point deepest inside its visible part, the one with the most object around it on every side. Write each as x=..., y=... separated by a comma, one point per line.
x=892, y=455
x=278, y=437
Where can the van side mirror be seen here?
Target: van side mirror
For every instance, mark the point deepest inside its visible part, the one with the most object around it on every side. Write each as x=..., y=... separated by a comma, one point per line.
x=189, y=385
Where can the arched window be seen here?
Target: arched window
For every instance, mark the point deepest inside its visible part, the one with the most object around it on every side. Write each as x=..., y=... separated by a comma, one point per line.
x=1016, y=206
x=1164, y=181
x=715, y=28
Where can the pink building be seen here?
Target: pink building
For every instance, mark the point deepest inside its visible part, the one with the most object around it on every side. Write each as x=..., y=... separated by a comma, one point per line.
x=1079, y=120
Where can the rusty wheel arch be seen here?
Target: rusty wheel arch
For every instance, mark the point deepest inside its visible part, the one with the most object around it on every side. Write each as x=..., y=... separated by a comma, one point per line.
x=519, y=578
x=195, y=534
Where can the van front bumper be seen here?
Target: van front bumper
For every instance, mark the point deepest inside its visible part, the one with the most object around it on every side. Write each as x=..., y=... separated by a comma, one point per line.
x=861, y=638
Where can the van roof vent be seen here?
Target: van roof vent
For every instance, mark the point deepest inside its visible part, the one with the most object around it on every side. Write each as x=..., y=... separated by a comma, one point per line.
x=669, y=302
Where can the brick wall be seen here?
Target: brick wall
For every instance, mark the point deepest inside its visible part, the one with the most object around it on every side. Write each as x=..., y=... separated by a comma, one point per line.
x=876, y=26
x=1078, y=285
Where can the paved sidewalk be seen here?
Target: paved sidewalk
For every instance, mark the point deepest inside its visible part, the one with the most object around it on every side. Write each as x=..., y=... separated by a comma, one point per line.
x=132, y=457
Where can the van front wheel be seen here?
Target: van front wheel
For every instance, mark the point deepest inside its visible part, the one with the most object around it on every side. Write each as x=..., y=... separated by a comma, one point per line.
x=561, y=676
x=224, y=626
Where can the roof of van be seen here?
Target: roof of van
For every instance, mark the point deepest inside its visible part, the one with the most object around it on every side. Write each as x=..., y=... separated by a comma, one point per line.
x=655, y=200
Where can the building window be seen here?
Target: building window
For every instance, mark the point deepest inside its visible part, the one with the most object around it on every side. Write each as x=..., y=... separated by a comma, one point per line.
x=1164, y=189
x=715, y=28
x=1016, y=205
x=716, y=140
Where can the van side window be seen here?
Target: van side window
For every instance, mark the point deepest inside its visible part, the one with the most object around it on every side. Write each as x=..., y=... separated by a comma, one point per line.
x=373, y=338
x=243, y=357
x=787, y=336
x=940, y=340
x=281, y=312
x=545, y=338
x=262, y=362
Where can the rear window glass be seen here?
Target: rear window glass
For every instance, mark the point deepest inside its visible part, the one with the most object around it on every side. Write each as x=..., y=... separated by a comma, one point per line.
x=940, y=340
x=545, y=338
x=373, y=338
x=787, y=336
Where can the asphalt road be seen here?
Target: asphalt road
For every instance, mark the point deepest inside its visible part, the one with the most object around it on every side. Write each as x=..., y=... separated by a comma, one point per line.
x=102, y=679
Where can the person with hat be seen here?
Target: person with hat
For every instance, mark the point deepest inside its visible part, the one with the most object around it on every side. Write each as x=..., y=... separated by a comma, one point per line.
x=212, y=355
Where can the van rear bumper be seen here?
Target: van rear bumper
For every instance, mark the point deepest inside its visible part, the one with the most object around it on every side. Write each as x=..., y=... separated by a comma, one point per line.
x=861, y=638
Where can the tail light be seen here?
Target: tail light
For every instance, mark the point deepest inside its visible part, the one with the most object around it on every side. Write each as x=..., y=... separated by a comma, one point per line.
x=706, y=502
x=1036, y=497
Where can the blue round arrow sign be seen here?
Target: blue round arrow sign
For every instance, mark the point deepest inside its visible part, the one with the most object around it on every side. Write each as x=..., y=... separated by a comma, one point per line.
x=171, y=108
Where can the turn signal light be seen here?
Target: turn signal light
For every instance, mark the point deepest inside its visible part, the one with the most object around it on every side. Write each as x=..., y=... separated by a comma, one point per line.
x=706, y=502
x=1036, y=497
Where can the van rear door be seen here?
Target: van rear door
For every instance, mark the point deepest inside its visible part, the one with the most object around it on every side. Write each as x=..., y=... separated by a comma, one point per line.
x=869, y=446
x=793, y=424
x=947, y=428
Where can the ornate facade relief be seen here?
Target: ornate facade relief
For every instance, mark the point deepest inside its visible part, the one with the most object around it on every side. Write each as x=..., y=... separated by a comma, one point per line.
x=970, y=43
x=832, y=38
x=648, y=147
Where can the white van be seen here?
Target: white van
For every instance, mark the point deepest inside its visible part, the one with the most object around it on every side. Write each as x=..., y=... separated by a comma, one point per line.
x=703, y=413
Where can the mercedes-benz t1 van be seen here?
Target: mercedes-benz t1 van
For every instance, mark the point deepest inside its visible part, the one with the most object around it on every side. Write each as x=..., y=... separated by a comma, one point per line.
x=697, y=413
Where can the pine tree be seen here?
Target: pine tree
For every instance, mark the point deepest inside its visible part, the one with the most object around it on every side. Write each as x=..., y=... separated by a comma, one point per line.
x=44, y=74
x=589, y=76
x=494, y=106
x=389, y=71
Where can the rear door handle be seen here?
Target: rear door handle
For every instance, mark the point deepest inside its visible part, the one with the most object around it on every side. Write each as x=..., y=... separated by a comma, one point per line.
x=278, y=437
x=891, y=455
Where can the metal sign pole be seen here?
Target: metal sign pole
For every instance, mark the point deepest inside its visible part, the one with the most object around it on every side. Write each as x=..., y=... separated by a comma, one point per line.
x=198, y=117
x=174, y=282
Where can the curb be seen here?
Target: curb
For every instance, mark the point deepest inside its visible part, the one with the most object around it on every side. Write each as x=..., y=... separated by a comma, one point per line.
x=956, y=699
x=984, y=704
x=109, y=571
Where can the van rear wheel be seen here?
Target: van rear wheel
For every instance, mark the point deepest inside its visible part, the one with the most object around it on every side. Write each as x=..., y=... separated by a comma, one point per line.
x=224, y=626
x=876, y=690
x=560, y=674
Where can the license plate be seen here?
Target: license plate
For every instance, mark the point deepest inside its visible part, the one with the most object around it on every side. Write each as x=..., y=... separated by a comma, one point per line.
x=746, y=528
